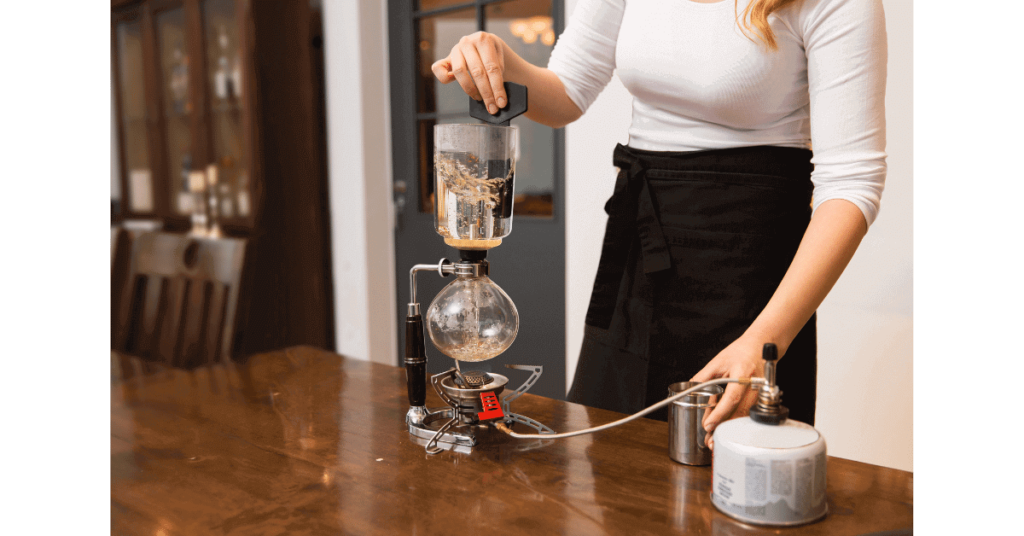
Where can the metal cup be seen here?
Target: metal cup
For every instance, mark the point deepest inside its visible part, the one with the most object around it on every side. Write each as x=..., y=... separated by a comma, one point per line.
x=685, y=432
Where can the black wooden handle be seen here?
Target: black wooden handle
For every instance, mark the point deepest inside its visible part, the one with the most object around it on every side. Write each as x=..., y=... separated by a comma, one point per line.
x=415, y=361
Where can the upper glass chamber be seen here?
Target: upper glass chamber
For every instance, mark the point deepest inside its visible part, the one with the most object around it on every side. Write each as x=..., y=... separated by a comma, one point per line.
x=474, y=174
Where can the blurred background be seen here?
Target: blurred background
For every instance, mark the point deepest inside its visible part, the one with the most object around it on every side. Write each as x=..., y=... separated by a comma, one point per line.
x=271, y=186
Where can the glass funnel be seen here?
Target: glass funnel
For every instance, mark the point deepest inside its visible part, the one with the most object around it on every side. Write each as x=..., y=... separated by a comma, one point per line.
x=472, y=319
x=474, y=167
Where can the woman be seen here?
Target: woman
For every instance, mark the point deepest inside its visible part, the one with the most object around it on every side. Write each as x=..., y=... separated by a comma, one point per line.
x=711, y=249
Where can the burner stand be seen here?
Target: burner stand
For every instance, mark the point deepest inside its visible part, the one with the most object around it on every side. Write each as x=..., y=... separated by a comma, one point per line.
x=457, y=427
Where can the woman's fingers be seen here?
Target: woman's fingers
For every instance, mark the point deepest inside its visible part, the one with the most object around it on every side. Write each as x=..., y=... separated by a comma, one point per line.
x=716, y=368
x=460, y=70
x=442, y=69
x=747, y=402
x=478, y=72
x=734, y=393
x=494, y=68
x=475, y=66
x=735, y=403
x=709, y=372
x=477, y=63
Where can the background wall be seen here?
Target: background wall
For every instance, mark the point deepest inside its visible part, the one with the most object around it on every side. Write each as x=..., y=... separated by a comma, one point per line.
x=359, y=178
x=865, y=341
x=865, y=337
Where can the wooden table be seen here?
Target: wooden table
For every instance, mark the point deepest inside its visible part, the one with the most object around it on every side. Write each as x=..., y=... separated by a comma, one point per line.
x=304, y=441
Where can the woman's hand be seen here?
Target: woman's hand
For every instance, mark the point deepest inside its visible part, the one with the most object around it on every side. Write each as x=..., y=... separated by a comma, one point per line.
x=482, y=63
x=477, y=62
x=740, y=359
x=828, y=244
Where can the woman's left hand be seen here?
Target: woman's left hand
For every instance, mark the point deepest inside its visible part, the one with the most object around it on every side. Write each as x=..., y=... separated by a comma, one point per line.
x=740, y=359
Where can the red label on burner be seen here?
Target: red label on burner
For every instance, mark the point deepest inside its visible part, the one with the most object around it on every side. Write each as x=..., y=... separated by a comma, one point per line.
x=492, y=409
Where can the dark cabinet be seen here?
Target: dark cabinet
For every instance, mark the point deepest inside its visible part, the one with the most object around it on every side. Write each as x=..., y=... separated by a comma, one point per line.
x=226, y=97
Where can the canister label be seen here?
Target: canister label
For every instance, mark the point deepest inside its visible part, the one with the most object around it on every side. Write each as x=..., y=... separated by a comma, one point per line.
x=783, y=488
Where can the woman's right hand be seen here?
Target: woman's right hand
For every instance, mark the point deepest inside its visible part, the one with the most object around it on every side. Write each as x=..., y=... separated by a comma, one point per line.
x=477, y=62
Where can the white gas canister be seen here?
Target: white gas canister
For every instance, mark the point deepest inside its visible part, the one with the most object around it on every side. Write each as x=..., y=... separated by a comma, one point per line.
x=769, y=474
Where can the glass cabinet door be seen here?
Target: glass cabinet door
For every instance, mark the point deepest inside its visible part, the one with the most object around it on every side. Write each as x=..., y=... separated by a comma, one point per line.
x=527, y=26
x=133, y=121
x=437, y=103
x=177, y=106
x=230, y=180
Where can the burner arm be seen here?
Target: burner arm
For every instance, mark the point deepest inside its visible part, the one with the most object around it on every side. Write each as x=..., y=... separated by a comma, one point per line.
x=535, y=372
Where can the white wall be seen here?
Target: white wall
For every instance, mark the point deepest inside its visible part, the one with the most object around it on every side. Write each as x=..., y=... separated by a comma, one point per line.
x=865, y=342
x=115, y=150
x=359, y=160
x=865, y=333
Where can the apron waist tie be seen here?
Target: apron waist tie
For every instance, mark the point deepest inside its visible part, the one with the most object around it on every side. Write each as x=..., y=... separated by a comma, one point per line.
x=631, y=212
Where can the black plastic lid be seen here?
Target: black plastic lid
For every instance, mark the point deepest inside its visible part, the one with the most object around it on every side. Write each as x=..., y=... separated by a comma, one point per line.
x=516, y=106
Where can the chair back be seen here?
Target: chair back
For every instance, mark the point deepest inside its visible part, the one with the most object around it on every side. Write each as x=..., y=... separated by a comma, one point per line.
x=120, y=258
x=180, y=297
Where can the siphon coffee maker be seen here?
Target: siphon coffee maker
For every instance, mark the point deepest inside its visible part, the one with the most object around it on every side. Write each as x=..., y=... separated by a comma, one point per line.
x=472, y=319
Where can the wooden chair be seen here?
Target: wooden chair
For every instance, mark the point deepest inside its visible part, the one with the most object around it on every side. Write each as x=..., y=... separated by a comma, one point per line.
x=179, y=299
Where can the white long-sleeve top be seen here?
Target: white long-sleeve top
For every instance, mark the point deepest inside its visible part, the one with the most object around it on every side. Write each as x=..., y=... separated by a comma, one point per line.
x=699, y=83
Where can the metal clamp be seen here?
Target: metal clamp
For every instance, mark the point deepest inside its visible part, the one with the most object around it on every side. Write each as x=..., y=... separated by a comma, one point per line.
x=465, y=268
x=445, y=267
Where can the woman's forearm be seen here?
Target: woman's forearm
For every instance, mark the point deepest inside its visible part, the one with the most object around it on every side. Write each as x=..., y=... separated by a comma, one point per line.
x=548, y=102
x=828, y=245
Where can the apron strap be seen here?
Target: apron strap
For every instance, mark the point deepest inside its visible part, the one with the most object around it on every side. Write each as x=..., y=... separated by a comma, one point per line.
x=631, y=212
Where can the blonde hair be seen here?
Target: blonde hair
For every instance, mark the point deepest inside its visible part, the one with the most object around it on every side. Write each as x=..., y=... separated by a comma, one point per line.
x=755, y=20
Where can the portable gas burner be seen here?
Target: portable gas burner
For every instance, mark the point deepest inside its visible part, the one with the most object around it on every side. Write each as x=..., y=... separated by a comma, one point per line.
x=473, y=407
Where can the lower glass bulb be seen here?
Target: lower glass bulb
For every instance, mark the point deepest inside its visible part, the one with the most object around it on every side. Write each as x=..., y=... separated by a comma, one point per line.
x=472, y=319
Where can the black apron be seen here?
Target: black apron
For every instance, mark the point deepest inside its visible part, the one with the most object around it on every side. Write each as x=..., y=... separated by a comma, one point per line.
x=695, y=246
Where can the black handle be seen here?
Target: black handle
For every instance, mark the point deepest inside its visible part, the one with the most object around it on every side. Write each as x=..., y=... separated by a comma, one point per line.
x=770, y=352
x=415, y=361
x=516, y=106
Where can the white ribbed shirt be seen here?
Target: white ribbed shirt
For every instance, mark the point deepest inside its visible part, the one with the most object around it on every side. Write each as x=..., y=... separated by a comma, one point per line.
x=699, y=83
